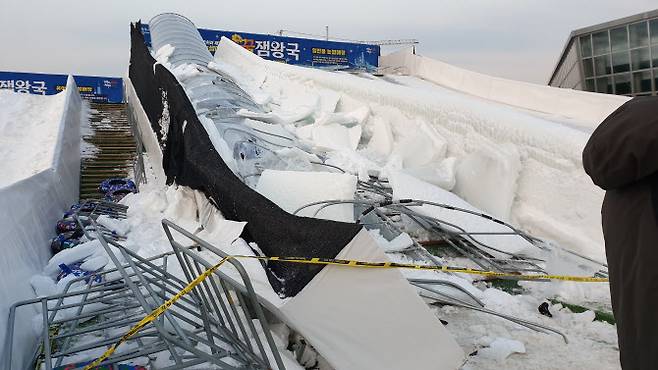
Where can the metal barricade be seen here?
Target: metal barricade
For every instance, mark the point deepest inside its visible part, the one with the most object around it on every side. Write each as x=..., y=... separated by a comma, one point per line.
x=220, y=323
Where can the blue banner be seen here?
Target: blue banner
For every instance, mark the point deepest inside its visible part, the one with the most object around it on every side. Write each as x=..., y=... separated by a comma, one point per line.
x=97, y=89
x=293, y=50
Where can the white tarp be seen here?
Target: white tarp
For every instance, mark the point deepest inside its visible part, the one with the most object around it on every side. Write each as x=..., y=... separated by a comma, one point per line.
x=30, y=207
x=370, y=318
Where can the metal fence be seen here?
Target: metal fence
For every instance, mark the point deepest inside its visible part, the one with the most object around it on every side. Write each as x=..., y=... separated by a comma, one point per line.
x=220, y=323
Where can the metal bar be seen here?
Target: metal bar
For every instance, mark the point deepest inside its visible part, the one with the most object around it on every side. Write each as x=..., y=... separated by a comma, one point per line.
x=147, y=308
x=246, y=287
x=46, y=335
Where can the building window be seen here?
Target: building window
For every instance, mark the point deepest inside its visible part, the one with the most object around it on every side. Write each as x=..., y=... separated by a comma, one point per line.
x=601, y=43
x=585, y=46
x=623, y=83
x=588, y=67
x=602, y=65
x=654, y=31
x=621, y=62
x=641, y=82
x=619, y=39
x=589, y=85
x=640, y=59
x=639, y=35
x=604, y=85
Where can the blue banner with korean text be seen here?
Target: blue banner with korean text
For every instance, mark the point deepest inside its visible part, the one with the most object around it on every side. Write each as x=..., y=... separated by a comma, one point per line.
x=93, y=88
x=294, y=50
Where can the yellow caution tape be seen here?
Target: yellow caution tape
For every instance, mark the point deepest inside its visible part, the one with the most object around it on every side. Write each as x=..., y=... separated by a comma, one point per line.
x=463, y=270
x=333, y=262
x=155, y=314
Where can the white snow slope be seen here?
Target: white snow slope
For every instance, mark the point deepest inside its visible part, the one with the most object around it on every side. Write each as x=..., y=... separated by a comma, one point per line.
x=520, y=165
x=28, y=133
x=40, y=152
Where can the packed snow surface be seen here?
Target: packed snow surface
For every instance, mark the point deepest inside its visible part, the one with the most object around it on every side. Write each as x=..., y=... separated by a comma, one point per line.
x=516, y=164
x=409, y=187
x=29, y=125
x=292, y=190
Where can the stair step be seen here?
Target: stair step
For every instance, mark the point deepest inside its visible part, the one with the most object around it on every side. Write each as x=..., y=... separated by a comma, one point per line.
x=114, y=148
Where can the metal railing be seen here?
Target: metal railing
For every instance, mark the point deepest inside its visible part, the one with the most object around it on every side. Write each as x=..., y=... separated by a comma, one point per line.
x=219, y=323
x=233, y=305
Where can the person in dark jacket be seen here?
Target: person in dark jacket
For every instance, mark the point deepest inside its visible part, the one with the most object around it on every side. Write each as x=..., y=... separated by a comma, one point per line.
x=621, y=157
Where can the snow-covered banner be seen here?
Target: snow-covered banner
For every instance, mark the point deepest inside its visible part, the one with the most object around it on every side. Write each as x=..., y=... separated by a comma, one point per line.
x=293, y=50
x=98, y=89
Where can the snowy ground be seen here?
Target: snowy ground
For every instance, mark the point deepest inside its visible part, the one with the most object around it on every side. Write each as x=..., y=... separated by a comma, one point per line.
x=29, y=126
x=592, y=345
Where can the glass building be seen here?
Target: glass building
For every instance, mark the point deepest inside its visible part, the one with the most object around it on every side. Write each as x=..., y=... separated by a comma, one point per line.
x=617, y=57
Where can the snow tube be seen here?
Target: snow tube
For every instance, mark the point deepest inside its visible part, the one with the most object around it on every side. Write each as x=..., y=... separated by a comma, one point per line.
x=117, y=185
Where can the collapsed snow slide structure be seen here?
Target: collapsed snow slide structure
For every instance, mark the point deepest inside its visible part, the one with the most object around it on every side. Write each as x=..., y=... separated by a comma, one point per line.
x=355, y=319
x=46, y=155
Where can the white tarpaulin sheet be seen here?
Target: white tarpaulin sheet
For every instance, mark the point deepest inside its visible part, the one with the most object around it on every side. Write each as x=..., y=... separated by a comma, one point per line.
x=360, y=318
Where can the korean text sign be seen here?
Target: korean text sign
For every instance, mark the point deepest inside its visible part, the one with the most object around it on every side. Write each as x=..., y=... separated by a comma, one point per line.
x=293, y=50
x=98, y=89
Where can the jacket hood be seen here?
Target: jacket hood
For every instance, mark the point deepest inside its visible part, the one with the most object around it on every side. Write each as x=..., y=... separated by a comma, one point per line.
x=624, y=148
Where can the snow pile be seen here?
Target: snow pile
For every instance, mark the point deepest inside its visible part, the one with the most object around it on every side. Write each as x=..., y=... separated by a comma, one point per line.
x=291, y=190
x=500, y=348
x=408, y=187
x=519, y=165
x=28, y=133
x=585, y=108
x=40, y=148
x=496, y=344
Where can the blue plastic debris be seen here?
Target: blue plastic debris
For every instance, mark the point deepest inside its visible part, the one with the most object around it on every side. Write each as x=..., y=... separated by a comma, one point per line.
x=75, y=270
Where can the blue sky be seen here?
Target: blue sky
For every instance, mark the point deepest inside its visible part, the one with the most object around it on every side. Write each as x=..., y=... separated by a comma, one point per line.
x=514, y=39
